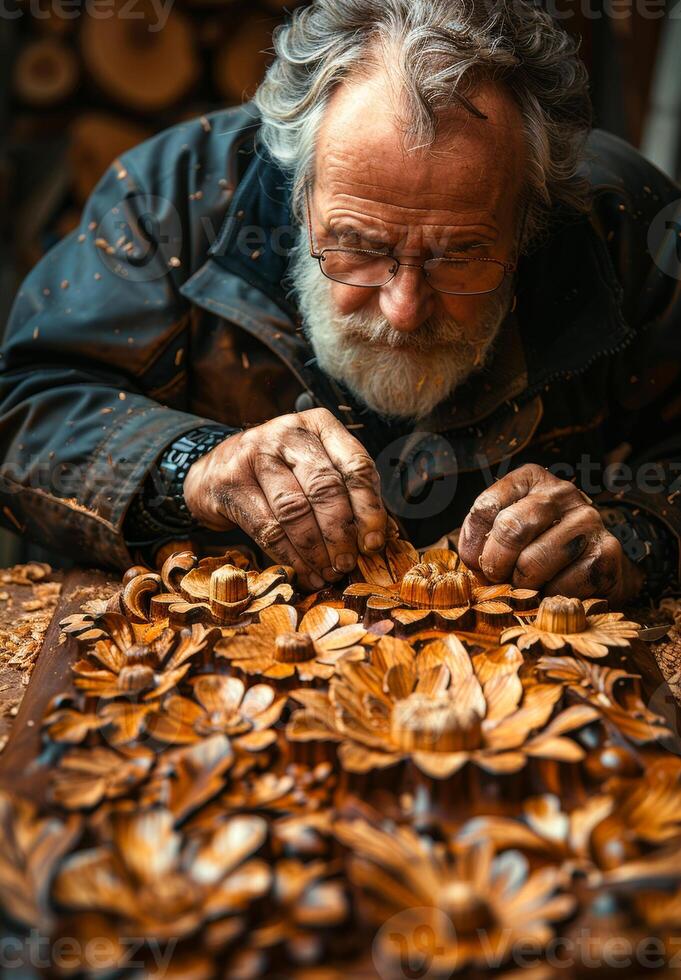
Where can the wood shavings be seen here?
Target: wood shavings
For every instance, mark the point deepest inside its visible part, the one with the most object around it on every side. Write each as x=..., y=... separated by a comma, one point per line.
x=21, y=637
x=34, y=571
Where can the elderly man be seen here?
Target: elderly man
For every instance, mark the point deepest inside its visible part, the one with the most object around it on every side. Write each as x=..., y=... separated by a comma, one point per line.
x=406, y=280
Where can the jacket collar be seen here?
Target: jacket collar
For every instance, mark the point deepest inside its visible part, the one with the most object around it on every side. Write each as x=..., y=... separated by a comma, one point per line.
x=258, y=229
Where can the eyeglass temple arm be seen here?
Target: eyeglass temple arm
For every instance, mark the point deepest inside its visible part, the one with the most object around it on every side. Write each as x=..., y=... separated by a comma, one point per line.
x=313, y=250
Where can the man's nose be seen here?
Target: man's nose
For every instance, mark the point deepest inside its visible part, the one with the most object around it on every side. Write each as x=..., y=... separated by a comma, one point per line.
x=407, y=300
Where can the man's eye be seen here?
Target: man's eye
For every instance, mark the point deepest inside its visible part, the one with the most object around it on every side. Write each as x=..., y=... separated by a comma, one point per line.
x=463, y=249
x=356, y=241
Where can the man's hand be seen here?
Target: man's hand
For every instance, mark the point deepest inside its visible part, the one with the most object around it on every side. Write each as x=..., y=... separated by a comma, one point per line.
x=537, y=531
x=301, y=486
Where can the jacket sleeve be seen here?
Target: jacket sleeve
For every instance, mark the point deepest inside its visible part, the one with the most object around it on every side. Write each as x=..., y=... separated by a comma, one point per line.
x=97, y=337
x=640, y=215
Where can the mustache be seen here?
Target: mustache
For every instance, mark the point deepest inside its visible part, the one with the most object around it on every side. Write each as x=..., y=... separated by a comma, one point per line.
x=436, y=331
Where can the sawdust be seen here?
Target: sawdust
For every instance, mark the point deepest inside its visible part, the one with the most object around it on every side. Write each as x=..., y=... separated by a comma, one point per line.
x=93, y=598
x=672, y=607
x=26, y=610
x=668, y=651
x=20, y=642
x=32, y=571
x=45, y=594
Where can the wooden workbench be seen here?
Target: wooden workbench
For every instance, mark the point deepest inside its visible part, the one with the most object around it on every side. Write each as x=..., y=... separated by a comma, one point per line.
x=21, y=764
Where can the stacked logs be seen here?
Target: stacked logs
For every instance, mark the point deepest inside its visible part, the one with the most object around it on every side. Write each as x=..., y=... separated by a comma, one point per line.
x=88, y=86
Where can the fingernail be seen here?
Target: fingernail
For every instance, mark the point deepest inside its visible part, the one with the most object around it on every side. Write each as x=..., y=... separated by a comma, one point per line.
x=316, y=582
x=344, y=563
x=374, y=541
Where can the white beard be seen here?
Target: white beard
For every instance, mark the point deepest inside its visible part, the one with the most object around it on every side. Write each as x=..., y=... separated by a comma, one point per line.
x=399, y=375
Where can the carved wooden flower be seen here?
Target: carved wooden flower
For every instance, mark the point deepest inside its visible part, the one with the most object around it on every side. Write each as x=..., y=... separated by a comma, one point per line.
x=563, y=622
x=662, y=913
x=441, y=709
x=612, y=692
x=463, y=898
x=432, y=591
x=31, y=846
x=121, y=665
x=215, y=592
x=646, y=813
x=159, y=885
x=222, y=705
x=295, y=790
x=120, y=721
x=65, y=722
x=305, y=834
x=87, y=776
x=279, y=647
x=544, y=827
x=186, y=778
x=309, y=899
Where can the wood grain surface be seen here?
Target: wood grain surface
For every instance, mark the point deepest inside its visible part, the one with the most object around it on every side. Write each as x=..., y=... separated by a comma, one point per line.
x=24, y=764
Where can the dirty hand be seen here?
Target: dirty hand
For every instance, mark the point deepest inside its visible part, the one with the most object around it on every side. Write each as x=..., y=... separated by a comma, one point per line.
x=301, y=486
x=537, y=531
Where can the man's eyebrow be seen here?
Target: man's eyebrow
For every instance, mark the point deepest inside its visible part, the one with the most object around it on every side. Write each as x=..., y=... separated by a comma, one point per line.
x=375, y=237
x=447, y=239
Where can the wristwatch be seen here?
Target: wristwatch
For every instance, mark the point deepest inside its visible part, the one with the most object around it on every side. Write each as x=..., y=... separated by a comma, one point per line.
x=159, y=511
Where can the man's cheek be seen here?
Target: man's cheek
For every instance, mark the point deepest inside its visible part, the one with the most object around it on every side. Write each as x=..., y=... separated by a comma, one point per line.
x=351, y=299
x=464, y=310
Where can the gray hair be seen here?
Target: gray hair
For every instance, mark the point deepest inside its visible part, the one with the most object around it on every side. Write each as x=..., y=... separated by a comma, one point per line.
x=440, y=50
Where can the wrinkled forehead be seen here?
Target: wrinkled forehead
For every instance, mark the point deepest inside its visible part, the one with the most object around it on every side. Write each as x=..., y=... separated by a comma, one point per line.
x=474, y=166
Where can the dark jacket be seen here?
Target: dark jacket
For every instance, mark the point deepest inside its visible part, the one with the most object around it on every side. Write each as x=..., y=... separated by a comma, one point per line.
x=169, y=307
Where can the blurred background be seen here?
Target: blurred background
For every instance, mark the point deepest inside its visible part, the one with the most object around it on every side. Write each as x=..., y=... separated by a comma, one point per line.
x=80, y=86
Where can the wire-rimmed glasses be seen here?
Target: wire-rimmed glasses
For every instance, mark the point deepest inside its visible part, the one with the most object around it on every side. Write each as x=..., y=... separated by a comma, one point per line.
x=469, y=276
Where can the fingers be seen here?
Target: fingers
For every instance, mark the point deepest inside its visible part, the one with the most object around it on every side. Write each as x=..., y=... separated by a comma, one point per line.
x=557, y=548
x=327, y=494
x=292, y=509
x=361, y=479
x=302, y=487
x=254, y=515
x=497, y=514
x=482, y=515
x=597, y=572
x=514, y=528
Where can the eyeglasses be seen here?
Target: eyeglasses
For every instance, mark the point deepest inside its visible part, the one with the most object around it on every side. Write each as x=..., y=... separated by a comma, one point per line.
x=372, y=269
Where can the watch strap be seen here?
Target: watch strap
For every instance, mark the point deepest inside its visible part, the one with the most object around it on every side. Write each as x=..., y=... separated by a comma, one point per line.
x=159, y=511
